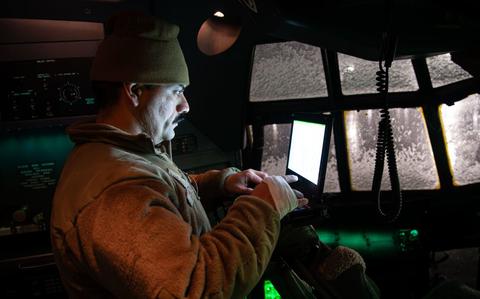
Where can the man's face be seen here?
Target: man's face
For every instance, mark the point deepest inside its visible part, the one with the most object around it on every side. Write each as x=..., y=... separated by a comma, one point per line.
x=161, y=108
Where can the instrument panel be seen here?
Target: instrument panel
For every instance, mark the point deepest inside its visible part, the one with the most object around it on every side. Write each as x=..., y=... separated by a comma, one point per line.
x=46, y=88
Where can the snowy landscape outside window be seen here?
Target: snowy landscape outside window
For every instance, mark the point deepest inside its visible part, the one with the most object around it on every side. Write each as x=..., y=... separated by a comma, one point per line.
x=283, y=71
x=415, y=161
x=444, y=71
x=462, y=131
x=274, y=159
x=358, y=75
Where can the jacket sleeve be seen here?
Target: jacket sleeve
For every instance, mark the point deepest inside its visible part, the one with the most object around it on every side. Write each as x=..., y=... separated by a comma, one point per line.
x=210, y=186
x=135, y=243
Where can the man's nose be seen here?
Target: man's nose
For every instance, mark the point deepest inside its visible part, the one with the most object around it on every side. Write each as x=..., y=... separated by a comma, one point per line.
x=183, y=107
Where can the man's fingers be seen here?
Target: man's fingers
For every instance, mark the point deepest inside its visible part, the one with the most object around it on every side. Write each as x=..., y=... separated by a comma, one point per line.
x=258, y=173
x=290, y=178
x=243, y=182
x=261, y=174
x=302, y=202
x=298, y=194
x=254, y=177
x=244, y=190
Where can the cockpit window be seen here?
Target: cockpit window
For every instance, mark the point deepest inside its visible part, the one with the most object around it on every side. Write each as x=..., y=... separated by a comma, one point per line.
x=275, y=148
x=461, y=124
x=288, y=70
x=443, y=71
x=331, y=177
x=415, y=161
x=274, y=158
x=358, y=75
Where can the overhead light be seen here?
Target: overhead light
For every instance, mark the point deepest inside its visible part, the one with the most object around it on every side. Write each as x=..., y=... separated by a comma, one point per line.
x=219, y=14
x=218, y=33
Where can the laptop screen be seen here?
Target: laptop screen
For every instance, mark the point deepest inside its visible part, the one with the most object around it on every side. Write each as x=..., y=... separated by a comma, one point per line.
x=308, y=151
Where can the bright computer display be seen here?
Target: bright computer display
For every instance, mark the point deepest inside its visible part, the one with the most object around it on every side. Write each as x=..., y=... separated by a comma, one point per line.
x=308, y=151
x=306, y=148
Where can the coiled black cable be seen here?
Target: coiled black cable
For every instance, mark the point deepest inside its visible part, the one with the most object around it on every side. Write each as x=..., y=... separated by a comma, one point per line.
x=385, y=144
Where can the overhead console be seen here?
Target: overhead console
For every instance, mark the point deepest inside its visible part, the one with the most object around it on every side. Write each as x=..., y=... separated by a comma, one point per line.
x=45, y=67
x=356, y=27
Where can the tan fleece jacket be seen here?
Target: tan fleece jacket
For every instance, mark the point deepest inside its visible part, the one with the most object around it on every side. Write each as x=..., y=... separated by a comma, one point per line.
x=127, y=223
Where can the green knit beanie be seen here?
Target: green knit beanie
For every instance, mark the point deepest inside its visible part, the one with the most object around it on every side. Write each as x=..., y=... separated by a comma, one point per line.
x=139, y=48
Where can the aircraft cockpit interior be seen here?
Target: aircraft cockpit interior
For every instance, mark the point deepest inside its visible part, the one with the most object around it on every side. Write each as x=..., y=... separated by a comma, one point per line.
x=381, y=100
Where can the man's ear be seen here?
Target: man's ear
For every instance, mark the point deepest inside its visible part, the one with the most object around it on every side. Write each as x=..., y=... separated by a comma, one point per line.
x=133, y=92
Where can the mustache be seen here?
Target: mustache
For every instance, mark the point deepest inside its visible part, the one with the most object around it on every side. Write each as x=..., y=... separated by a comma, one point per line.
x=181, y=117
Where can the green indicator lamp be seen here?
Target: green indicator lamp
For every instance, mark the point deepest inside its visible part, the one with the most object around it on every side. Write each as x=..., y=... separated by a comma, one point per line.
x=270, y=291
x=414, y=234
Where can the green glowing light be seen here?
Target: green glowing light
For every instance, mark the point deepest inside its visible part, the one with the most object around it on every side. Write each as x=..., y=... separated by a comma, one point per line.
x=270, y=291
x=414, y=234
x=370, y=242
x=379, y=237
x=90, y=101
x=327, y=236
x=353, y=239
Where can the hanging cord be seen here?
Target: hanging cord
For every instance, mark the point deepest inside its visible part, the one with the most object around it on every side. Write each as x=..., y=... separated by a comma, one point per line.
x=385, y=138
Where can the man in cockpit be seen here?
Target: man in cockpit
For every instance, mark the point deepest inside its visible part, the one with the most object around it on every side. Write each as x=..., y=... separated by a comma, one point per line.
x=126, y=222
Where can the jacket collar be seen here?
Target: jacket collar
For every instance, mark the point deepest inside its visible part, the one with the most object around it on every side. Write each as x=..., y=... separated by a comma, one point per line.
x=90, y=132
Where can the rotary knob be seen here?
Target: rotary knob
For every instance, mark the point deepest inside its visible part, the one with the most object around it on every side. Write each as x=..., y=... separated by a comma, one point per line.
x=20, y=215
x=69, y=93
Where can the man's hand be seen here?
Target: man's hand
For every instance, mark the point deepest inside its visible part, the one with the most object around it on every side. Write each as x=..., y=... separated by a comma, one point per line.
x=276, y=191
x=243, y=182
